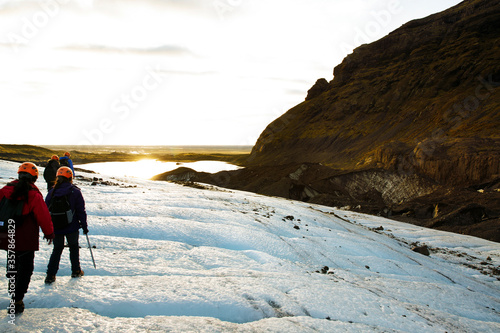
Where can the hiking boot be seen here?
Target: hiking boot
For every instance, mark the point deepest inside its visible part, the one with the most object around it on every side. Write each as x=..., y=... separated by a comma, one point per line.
x=77, y=274
x=19, y=307
x=50, y=279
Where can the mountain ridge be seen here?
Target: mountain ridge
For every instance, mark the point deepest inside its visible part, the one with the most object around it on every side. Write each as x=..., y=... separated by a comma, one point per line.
x=392, y=100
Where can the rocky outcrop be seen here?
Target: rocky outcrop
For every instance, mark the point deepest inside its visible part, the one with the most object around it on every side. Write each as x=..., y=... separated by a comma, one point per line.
x=181, y=174
x=319, y=87
x=452, y=162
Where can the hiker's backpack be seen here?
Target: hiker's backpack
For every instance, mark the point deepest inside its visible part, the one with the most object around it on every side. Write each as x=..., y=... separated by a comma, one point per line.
x=60, y=211
x=49, y=174
x=11, y=210
x=64, y=162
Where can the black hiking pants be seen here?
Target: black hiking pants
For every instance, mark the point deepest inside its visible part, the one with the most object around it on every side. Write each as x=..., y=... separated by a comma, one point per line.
x=19, y=273
x=74, y=253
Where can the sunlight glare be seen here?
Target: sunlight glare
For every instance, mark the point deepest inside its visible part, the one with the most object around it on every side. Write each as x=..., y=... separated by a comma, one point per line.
x=148, y=168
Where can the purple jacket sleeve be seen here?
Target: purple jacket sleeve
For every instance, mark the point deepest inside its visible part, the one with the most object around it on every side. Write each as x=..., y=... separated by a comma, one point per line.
x=80, y=212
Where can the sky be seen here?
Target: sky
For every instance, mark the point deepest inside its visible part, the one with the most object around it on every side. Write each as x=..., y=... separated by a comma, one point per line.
x=172, y=72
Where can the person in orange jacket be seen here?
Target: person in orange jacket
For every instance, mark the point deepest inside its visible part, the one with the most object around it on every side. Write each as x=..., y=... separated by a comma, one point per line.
x=21, y=241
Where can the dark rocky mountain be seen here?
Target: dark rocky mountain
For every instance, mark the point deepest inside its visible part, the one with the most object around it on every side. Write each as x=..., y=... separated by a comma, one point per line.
x=425, y=99
x=409, y=127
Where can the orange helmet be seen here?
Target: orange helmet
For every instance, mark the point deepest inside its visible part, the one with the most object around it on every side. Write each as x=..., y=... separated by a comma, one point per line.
x=64, y=172
x=67, y=154
x=28, y=167
x=55, y=157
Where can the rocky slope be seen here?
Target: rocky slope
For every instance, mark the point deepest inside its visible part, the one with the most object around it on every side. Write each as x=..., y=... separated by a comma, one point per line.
x=424, y=99
x=409, y=127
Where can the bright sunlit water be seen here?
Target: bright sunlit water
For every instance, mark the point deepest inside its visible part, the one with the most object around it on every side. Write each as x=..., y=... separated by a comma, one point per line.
x=148, y=168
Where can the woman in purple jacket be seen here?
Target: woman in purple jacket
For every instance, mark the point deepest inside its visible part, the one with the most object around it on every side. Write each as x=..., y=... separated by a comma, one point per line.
x=64, y=187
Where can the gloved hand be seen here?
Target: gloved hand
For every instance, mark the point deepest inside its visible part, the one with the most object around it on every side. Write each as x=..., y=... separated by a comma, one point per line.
x=85, y=231
x=49, y=238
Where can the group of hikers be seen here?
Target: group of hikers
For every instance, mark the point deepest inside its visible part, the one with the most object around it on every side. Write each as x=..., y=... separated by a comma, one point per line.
x=19, y=235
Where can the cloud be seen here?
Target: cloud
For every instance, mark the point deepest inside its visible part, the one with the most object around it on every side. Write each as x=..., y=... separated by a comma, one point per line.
x=163, y=49
x=238, y=58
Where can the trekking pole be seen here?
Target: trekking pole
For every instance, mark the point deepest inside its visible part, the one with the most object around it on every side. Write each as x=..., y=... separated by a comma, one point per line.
x=91, y=254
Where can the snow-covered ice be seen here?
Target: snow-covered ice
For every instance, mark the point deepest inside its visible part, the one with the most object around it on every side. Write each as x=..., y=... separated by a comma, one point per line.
x=172, y=258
